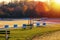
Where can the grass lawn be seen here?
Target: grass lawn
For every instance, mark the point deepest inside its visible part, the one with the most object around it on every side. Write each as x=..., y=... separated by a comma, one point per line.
x=28, y=34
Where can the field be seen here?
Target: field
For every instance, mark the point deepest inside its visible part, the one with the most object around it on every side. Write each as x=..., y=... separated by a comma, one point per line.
x=11, y=23
x=29, y=34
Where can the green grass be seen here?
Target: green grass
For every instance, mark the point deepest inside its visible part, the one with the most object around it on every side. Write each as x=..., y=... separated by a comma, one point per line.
x=28, y=34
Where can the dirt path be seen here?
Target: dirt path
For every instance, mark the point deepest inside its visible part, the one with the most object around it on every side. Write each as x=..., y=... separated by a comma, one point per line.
x=52, y=36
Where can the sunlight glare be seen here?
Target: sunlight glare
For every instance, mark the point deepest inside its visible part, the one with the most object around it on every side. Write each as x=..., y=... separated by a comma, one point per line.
x=57, y=1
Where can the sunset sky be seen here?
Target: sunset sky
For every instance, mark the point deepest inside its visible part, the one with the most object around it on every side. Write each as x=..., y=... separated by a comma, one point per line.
x=41, y=6
x=57, y=1
x=54, y=3
x=7, y=1
x=19, y=0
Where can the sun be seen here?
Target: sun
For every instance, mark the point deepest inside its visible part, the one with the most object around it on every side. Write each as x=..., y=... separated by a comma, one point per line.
x=57, y=1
